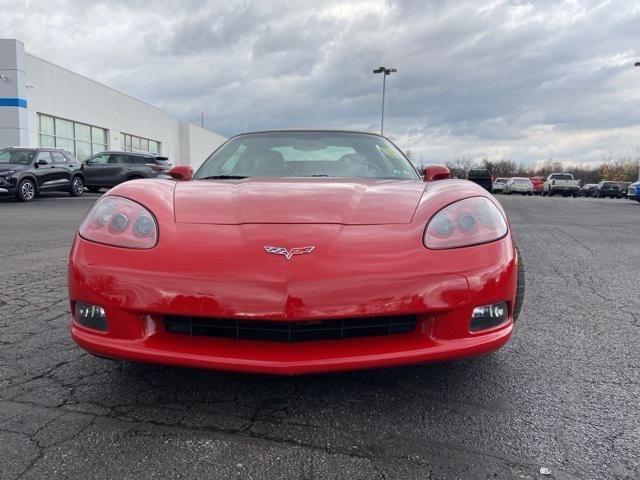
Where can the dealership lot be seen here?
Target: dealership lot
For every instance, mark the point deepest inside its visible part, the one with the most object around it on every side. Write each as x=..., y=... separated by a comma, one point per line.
x=563, y=394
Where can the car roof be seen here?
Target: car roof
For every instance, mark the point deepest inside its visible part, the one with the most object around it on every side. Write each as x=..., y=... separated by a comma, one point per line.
x=36, y=148
x=141, y=154
x=299, y=130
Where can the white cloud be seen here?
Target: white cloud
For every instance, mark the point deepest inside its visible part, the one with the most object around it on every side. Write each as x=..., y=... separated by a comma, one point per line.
x=524, y=80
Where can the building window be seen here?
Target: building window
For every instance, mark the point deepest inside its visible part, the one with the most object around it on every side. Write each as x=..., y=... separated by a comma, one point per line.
x=131, y=143
x=80, y=139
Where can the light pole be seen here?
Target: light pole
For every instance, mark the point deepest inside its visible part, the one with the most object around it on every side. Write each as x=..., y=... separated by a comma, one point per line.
x=637, y=64
x=385, y=71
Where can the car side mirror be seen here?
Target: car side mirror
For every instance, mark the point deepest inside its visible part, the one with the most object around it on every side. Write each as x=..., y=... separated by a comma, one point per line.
x=42, y=162
x=435, y=172
x=181, y=173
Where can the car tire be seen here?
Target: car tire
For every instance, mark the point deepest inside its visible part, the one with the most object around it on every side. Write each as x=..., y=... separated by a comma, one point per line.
x=26, y=190
x=520, y=287
x=77, y=186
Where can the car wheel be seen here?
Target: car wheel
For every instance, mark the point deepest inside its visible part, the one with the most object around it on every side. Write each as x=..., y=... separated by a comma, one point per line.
x=26, y=190
x=520, y=286
x=77, y=186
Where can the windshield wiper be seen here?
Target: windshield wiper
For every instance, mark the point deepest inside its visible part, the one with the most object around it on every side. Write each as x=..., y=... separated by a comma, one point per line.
x=224, y=177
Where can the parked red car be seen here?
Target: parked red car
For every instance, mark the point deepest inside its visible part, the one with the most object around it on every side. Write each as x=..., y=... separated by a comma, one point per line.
x=294, y=252
x=538, y=183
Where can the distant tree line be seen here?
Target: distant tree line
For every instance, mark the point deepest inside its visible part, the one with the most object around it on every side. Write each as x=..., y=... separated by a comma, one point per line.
x=624, y=169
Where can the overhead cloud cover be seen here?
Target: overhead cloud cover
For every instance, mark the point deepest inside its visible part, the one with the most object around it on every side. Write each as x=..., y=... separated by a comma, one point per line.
x=499, y=79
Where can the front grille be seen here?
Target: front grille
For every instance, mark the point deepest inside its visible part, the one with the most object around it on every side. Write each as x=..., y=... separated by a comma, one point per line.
x=290, y=332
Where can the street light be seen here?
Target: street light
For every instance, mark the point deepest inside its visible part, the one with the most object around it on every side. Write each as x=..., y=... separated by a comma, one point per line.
x=637, y=64
x=385, y=71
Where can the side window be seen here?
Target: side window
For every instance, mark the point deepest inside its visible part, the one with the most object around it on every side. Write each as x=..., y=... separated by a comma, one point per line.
x=99, y=160
x=139, y=160
x=46, y=156
x=58, y=158
x=119, y=159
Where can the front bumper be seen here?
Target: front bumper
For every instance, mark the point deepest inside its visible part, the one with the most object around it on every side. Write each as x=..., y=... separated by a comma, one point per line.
x=138, y=289
x=7, y=187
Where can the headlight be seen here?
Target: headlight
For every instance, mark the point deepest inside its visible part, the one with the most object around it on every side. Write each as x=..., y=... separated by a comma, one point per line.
x=466, y=222
x=120, y=222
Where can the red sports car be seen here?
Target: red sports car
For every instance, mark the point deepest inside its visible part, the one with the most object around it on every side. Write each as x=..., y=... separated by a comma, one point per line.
x=295, y=252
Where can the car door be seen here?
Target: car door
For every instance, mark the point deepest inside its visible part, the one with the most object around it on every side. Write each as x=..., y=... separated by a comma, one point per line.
x=44, y=170
x=62, y=175
x=94, y=170
x=117, y=169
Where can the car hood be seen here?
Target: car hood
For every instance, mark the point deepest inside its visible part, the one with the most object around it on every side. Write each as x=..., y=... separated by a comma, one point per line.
x=17, y=167
x=297, y=200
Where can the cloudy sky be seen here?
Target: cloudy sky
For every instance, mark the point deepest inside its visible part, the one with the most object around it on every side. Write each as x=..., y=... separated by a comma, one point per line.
x=524, y=80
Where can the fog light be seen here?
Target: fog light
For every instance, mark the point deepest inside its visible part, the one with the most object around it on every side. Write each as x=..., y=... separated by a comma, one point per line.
x=91, y=316
x=488, y=316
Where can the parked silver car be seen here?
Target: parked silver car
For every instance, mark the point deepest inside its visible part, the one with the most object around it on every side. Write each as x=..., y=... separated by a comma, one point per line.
x=520, y=185
x=498, y=185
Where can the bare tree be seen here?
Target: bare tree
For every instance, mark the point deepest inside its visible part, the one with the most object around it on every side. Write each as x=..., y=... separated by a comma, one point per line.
x=460, y=166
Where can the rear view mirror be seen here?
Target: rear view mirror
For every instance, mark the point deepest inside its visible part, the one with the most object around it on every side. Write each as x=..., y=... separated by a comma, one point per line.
x=181, y=173
x=435, y=172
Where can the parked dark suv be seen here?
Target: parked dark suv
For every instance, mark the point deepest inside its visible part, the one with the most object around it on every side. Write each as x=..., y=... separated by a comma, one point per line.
x=482, y=177
x=108, y=169
x=25, y=172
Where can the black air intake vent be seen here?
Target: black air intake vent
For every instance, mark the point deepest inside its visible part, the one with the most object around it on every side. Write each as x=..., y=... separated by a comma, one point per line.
x=290, y=332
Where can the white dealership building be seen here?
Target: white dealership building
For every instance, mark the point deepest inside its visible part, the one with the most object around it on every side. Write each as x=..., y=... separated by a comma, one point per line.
x=42, y=104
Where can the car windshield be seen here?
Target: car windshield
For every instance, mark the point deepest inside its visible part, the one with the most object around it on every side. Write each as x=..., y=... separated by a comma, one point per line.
x=521, y=180
x=501, y=180
x=17, y=156
x=307, y=154
x=562, y=176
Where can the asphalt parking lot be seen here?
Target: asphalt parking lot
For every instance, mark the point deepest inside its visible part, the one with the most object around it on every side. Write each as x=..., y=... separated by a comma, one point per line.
x=563, y=394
